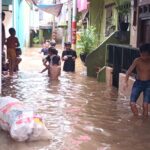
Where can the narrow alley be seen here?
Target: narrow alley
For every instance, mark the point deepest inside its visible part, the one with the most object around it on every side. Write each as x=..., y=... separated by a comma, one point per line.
x=80, y=113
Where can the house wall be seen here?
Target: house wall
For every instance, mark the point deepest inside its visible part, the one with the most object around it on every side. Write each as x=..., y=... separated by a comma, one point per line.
x=21, y=21
x=134, y=28
x=98, y=16
x=6, y=2
x=144, y=2
x=8, y=22
x=96, y=13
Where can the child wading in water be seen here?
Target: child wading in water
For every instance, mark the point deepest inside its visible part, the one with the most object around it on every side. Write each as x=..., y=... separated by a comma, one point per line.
x=12, y=43
x=55, y=68
x=142, y=83
x=53, y=65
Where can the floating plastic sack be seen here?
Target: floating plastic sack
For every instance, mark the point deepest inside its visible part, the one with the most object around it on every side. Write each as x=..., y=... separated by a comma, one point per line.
x=21, y=122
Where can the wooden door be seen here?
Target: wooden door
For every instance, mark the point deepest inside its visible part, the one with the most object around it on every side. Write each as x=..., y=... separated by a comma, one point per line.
x=145, y=31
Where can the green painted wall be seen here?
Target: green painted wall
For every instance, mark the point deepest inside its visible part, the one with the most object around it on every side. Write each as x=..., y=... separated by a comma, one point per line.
x=119, y=2
x=98, y=57
x=96, y=11
x=98, y=18
x=101, y=75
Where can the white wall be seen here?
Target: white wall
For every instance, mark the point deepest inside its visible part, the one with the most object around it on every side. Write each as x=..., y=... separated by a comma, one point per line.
x=8, y=22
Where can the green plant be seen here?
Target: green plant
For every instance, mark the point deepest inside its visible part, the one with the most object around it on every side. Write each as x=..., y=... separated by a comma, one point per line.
x=36, y=40
x=88, y=40
x=123, y=11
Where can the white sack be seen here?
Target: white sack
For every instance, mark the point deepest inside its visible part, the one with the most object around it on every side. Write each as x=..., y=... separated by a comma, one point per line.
x=21, y=122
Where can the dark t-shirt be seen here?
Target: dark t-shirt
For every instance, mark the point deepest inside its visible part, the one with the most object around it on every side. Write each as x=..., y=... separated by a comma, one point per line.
x=69, y=64
x=48, y=58
x=55, y=60
x=44, y=51
x=52, y=58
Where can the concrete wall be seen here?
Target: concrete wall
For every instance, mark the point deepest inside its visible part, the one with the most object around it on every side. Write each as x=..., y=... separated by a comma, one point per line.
x=21, y=21
x=109, y=72
x=105, y=75
x=96, y=13
x=8, y=22
x=24, y=23
x=121, y=91
x=98, y=16
x=133, y=31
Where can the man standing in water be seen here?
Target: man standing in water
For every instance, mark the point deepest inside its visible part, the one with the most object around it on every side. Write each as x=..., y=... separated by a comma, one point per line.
x=142, y=83
x=69, y=56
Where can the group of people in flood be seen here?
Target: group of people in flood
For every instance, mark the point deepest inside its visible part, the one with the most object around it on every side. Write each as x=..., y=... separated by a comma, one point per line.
x=11, y=58
x=52, y=64
x=52, y=61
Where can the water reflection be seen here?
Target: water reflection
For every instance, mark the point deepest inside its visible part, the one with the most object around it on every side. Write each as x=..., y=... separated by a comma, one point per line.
x=80, y=113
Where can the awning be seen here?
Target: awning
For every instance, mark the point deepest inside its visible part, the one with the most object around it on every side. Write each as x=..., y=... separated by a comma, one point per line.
x=30, y=1
x=53, y=9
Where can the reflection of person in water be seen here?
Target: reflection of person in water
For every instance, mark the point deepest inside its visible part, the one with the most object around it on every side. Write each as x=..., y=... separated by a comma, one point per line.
x=69, y=56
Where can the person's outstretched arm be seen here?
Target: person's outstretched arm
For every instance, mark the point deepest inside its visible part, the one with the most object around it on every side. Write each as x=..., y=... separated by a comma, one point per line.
x=129, y=71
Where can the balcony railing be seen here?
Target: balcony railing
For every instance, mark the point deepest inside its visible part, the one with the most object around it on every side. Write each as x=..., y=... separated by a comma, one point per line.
x=120, y=57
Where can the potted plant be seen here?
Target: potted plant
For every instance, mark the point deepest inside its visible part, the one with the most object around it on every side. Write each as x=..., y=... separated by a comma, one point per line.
x=87, y=42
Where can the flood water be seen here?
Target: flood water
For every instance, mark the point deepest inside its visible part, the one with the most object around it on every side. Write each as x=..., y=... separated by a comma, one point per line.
x=80, y=113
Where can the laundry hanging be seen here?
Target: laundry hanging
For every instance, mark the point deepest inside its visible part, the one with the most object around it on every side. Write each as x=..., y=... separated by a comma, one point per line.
x=82, y=5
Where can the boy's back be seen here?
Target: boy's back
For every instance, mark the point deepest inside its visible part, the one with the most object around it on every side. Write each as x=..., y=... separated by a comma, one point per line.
x=55, y=68
x=54, y=72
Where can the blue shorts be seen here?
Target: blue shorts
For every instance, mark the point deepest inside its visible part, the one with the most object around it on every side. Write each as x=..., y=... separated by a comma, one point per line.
x=138, y=87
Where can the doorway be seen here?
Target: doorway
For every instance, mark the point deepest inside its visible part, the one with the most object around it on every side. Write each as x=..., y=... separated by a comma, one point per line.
x=145, y=31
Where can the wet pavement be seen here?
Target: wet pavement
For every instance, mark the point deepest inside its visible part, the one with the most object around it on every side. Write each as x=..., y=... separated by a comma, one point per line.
x=80, y=113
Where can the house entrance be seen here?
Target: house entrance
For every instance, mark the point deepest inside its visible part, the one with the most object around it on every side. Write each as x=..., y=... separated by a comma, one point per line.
x=145, y=31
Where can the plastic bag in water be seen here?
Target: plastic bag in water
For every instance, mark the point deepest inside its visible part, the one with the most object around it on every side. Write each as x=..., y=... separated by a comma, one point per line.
x=21, y=122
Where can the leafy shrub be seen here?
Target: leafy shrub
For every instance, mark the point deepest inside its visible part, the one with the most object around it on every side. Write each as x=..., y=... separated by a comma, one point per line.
x=88, y=40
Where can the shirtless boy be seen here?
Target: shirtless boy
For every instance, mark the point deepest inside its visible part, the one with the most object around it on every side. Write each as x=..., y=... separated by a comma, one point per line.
x=55, y=68
x=142, y=83
x=54, y=64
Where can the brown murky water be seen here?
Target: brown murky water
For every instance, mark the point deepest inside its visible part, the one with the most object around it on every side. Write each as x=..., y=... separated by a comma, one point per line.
x=80, y=113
